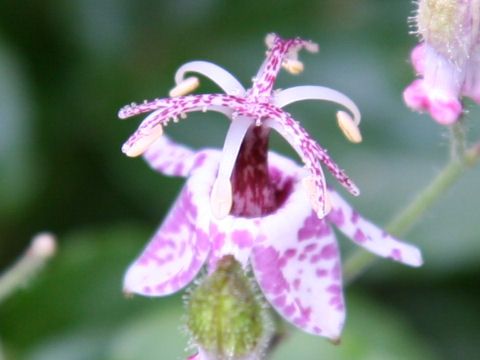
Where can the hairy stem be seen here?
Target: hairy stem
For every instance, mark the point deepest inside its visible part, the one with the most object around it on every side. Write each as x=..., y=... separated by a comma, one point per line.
x=458, y=145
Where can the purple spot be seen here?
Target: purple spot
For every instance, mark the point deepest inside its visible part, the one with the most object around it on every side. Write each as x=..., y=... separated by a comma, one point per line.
x=336, y=272
x=336, y=216
x=199, y=160
x=355, y=217
x=160, y=288
x=321, y=273
x=313, y=227
x=310, y=247
x=305, y=313
x=218, y=241
x=178, y=169
x=336, y=302
x=327, y=252
x=289, y=310
x=202, y=240
x=279, y=301
x=334, y=289
x=175, y=283
x=396, y=255
x=296, y=283
x=266, y=265
x=242, y=238
x=302, y=257
x=290, y=253
x=359, y=236
x=183, y=246
x=300, y=322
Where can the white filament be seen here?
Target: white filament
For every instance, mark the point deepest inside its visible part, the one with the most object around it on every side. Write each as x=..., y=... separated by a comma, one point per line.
x=224, y=79
x=312, y=92
x=233, y=141
x=221, y=200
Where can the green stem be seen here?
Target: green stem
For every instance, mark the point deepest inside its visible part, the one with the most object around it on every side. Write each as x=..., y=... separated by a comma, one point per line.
x=360, y=260
x=458, y=145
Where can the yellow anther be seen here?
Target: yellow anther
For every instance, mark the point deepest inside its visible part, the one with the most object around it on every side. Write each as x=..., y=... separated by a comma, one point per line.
x=142, y=144
x=348, y=127
x=312, y=193
x=221, y=198
x=185, y=87
x=293, y=66
x=328, y=203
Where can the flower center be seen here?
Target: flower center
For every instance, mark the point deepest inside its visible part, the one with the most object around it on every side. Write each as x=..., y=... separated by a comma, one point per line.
x=257, y=191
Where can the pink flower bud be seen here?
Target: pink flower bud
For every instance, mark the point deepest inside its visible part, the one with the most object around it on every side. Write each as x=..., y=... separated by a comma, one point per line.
x=447, y=59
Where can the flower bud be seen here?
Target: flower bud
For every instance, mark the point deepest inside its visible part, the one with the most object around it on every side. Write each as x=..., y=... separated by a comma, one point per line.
x=448, y=58
x=225, y=317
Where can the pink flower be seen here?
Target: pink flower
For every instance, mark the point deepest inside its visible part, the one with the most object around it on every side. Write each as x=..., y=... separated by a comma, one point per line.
x=196, y=356
x=256, y=205
x=201, y=355
x=447, y=59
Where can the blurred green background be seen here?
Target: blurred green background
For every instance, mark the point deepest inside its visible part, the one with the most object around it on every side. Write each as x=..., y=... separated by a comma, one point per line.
x=66, y=67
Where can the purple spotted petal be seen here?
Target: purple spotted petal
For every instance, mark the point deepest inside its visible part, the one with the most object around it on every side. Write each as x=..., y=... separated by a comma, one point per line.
x=170, y=158
x=232, y=236
x=296, y=262
x=181, y=245
x=368, y=235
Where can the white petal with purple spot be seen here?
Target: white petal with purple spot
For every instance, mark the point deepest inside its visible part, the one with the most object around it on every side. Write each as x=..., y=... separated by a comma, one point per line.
x=296, y=262
x=370, y=236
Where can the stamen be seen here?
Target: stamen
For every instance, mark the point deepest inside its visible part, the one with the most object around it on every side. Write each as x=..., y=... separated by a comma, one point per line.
x=328, y=203
x=311, y=92
x=226, y=81
x=185, y=87
x=294, y=67
x=348, y=127
x=139, y=146
x=221, y=199
x=312, y=190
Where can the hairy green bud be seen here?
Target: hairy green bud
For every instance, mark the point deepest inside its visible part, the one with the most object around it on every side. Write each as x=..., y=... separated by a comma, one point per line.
x=225, y=317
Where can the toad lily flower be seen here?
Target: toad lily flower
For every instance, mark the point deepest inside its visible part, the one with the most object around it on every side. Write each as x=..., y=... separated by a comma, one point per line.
x=258, y=206
x=448, y=58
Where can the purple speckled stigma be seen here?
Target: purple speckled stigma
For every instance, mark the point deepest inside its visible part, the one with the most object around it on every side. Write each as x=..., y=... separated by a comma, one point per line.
x=259, y=106
x=246, y=201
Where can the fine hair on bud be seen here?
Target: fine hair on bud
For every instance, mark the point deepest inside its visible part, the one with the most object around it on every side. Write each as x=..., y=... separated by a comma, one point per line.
x=226, y=317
